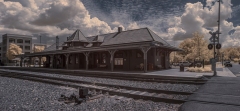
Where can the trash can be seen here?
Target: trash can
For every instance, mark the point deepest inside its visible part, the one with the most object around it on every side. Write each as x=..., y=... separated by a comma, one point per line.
x=181, y=68
x=150, y=66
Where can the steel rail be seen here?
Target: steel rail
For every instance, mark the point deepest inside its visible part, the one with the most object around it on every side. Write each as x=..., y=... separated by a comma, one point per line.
x=104, y=90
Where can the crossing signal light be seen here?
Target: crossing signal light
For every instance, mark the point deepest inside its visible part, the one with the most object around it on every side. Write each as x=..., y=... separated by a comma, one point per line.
x=210, y=46
x=218, y=46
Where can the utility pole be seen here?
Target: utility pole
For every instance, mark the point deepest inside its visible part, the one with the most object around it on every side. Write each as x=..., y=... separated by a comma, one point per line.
x=215, y=39
x=219, y=20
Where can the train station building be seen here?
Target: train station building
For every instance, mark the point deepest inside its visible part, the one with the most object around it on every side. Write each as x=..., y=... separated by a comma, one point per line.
x=131, y=50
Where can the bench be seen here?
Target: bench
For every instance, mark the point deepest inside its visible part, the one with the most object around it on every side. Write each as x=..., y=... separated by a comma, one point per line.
x=159, y=66
x=102, y=65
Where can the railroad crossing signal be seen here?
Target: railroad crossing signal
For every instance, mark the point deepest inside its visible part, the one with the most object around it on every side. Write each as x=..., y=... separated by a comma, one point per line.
x=210, y=46
x=213, y=40
x=214, y=37
x=218, y=46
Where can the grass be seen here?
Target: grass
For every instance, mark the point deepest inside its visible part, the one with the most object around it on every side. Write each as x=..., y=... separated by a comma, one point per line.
x=207, y=68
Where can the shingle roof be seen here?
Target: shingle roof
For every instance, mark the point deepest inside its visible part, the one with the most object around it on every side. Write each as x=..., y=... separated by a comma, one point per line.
x=129, y=36
x=157, y=38
x=77, y=36
x=53, y=47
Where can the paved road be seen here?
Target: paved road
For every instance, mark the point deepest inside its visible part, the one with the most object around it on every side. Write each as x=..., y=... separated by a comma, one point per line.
x=235, y=69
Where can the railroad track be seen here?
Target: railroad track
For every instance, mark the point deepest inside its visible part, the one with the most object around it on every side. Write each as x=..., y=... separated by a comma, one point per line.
x=126, y=91
x=158, y=79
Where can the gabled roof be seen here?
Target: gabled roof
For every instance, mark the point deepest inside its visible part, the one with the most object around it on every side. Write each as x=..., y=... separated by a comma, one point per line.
x=131, y=36
x=118, y=38
x=98, y=38
x=53, y=47
x=77, y=36
x=157, y=38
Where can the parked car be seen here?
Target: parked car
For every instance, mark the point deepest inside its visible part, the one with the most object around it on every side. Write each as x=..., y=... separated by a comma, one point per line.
x=199, y=64
x=224, y=62
x=227, y=64
x=185, y=63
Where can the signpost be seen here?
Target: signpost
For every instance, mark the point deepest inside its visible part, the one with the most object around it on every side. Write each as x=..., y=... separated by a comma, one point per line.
x=214, y=38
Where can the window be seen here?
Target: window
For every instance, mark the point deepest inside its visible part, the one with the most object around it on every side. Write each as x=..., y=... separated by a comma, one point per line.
x=21, y=46
x=118, y=61
x=27, y=41
x=27, y=47
x=11, y=40
x=0, y=48
x=104, y=58
x=27, y=53
x=0, y=54
x=19, y=41
x=76, y=59
x=70, y=60
x=4, y=41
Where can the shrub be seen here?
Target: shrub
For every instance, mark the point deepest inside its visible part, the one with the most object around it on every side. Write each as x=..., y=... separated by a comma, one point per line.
x=196, y=69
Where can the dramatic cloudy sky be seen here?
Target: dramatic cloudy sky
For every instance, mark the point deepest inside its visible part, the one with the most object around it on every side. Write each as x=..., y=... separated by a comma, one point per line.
x=173, y=20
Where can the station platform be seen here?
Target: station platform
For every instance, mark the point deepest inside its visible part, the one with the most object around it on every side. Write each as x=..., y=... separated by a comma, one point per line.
x=218, y=94
x=173, y=72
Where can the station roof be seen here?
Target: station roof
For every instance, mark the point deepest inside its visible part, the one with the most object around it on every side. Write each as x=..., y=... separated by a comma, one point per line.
x=122, y=39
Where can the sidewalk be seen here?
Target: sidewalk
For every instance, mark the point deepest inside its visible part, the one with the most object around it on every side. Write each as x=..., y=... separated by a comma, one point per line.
x=221, y=71
x=226, y=73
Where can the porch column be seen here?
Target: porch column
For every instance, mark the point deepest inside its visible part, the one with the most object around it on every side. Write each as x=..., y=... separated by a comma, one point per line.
x=111, y=59
x=30, y=61
x=21, y=60
x=145, y=50
x=40, y=60
x=168, y=56
x=86, y=56
x=51, y=59
x=67, y=59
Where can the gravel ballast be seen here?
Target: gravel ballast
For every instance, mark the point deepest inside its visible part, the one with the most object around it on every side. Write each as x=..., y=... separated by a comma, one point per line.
x=138, y=84
x=21, y=95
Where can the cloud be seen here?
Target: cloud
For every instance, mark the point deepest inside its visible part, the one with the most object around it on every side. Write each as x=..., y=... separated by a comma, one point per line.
x=55, y=17
x=197, y=18
x=50, y=18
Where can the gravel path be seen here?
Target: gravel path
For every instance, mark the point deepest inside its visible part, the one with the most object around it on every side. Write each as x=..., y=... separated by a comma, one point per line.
x=150, y=85
x=22, y=95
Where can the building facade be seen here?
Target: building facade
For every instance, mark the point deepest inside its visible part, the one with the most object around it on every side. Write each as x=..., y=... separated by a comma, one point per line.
x=23, y=41
x=139, y=49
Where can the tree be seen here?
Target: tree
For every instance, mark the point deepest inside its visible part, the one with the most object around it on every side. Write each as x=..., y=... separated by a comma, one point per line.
x=195, y=48
x=39, y=49
x=175, y=57
x=13, y=50
x=231, y=52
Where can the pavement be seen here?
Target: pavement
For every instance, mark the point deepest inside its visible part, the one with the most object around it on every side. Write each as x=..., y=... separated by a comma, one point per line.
x=175, y=71
x=218, y=94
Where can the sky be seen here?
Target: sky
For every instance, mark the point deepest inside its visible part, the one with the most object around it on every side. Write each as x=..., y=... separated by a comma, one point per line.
x=173, y=20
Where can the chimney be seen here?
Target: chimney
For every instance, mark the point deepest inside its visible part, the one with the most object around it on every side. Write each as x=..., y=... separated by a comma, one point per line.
x=57, y=42
x=119, y=29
